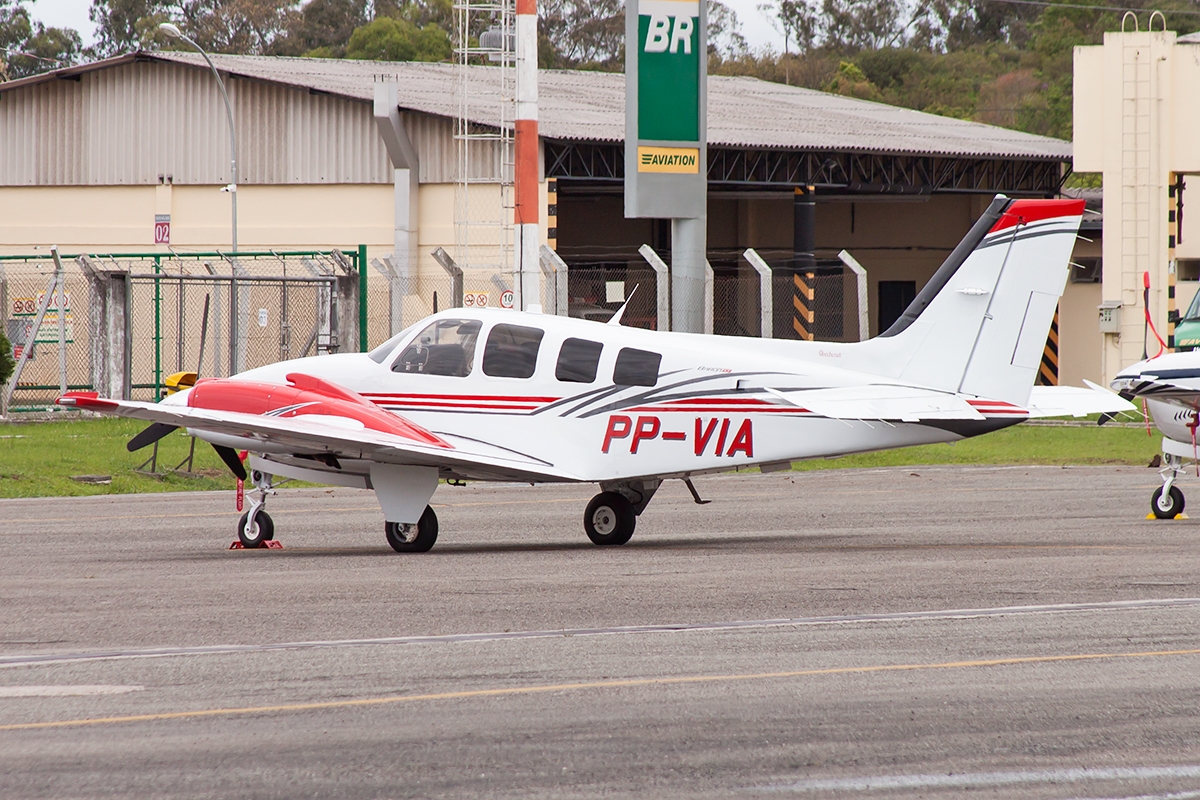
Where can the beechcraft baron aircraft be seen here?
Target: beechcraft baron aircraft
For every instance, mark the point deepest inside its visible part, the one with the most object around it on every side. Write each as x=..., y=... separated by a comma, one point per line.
x=1170, y=386
x=507, y=396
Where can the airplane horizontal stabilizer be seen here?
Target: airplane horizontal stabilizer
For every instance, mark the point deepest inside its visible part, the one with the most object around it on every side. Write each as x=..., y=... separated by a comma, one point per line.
x=880, y=402
x=1075, y=401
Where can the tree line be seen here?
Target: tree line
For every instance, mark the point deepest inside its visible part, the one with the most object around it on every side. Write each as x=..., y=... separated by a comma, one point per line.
x=1004, y=62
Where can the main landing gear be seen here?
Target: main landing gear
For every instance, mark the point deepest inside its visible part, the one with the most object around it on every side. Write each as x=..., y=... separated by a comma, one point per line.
x=413, y=537
x=255, y=528
x=612, y=515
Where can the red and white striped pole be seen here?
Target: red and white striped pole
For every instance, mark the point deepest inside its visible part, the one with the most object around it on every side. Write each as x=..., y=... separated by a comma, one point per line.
x=525, y=179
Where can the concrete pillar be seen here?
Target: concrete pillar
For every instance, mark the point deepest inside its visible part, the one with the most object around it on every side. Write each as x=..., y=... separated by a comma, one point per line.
x=108, y=327
x=689, y=244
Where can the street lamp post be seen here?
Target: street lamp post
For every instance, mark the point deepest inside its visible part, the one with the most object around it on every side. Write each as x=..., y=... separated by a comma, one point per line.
x=175, y=33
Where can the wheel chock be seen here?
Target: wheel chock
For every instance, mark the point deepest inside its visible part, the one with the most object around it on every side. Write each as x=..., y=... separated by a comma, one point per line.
x=1181, y=516
x=1151, y=515
x=269, y=545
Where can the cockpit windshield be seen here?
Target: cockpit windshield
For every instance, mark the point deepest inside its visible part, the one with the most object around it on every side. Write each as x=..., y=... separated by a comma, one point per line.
x=446, y=347
x=381, y=352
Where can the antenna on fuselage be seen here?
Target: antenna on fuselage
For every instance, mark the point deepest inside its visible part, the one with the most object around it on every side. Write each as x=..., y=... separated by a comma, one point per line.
x=616, y=318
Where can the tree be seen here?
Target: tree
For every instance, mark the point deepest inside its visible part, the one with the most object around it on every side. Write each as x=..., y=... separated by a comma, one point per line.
x=388, y=39
x=725, y=38
x=587, y=34
x=219, y=26
x=7, y=363
x=323, y=27
x=853, y=25
x=796, y=20
x=28, y=47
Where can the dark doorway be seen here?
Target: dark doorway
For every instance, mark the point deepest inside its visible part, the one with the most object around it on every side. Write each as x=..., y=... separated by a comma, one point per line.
x=894, y=297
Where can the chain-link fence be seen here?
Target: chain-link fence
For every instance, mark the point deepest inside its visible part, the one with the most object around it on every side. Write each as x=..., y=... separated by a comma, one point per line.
x=211, y=313
x=597, y=291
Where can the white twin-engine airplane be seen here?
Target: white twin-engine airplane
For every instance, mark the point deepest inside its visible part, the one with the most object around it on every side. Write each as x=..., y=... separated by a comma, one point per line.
x=1170, y=386
x=507, y=396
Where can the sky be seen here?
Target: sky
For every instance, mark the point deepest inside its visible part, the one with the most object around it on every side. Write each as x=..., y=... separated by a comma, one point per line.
x=74, y=14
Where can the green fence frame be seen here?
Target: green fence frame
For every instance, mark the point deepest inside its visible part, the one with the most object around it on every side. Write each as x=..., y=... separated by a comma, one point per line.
x=356, y=255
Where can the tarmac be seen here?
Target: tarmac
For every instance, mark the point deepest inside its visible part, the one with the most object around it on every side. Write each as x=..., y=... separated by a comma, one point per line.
x=911, y=632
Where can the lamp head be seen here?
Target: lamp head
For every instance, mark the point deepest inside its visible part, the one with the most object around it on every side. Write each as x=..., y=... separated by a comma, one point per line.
x=171, y=30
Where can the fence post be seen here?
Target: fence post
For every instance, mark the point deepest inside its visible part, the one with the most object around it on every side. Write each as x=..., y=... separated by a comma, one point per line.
x=362, y=298
x=663, y=287
x=396, y=292
x=455, y=272
x=561, y=298
x=860, y=279
x=802, y=299
x=108, y=326
x=708, y=297
x=765, y=293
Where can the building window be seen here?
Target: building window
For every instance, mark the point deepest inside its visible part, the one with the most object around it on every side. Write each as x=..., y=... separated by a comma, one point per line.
x=1087, y=270
x=577, y=361
x=1187, y=269
x=511, y=351
x=894, y=298
x=636, y=368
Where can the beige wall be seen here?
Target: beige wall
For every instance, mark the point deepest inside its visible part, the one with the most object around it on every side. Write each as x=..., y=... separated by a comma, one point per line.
x=1136, y=112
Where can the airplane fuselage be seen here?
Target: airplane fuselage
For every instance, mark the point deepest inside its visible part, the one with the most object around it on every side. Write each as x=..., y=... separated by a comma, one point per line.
x=609, y=403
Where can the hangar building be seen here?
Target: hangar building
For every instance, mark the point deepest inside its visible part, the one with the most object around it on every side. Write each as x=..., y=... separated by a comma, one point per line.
x=89, y=156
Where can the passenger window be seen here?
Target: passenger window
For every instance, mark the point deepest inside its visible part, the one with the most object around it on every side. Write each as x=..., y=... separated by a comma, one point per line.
x=577, y=361
x=447, y=347
x=636, y=368
x=511, y=351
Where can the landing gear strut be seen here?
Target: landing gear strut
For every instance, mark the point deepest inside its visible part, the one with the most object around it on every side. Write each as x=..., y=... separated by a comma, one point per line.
x=413, y=537
x=255, y=527
x=1167, y=500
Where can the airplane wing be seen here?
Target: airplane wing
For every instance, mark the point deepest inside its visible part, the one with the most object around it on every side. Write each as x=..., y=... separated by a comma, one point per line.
x=336, y=436
x=1076, y=401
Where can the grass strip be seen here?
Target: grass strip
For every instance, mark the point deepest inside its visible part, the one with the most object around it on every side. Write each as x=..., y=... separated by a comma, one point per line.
x=37, y=459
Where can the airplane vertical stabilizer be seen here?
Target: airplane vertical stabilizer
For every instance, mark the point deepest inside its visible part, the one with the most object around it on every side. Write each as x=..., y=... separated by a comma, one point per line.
x=980, y=325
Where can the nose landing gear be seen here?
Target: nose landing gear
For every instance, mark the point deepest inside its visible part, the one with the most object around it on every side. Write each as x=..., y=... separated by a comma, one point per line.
x=255, y=527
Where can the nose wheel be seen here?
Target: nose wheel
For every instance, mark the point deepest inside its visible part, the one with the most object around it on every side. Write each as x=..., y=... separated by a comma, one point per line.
x=413, y=537
x=1167, y=502
x=609, y=519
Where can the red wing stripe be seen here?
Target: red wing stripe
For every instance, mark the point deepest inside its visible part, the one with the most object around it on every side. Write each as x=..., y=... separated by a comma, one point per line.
x=464, y=397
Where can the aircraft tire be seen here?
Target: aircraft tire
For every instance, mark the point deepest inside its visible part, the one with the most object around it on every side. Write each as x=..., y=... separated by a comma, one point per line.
x=427, y=532
x=264, y=530
x=609, y=519
x=1171, y=507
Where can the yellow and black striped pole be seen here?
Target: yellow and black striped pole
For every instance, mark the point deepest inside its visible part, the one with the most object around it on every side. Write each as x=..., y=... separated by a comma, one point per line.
x=552, y=214
x=1173, y=190
x=802, y=302
x=1048, y=371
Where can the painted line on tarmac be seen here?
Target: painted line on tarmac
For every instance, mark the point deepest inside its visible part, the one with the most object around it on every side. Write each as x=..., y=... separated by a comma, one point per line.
x=65, y=691
x=986, y=780
x=587, y=685
x=42, y=659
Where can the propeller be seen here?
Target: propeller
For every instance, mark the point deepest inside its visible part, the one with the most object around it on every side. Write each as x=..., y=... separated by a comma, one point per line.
x=230, y=457
x=149, y=436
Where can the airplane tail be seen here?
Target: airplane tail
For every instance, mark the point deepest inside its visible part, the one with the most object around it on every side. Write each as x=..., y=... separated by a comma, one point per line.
x=979, y=326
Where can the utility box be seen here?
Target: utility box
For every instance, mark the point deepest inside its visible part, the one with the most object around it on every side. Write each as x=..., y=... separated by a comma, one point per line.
x=1110, y=316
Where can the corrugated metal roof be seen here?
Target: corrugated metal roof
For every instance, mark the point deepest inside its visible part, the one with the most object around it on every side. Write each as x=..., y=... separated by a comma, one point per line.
x=590, y=106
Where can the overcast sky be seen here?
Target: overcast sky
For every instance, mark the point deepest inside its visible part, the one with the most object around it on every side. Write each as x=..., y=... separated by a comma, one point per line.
x=74, y=14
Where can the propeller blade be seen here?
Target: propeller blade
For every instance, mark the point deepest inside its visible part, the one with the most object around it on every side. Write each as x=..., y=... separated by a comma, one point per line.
x=230, y=457
x=150, y=435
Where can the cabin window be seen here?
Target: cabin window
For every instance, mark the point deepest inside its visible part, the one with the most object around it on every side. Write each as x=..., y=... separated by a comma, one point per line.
x=381, y=352
x=446, y=347
x=636, y=367
x=511, y=351
x=577, y=361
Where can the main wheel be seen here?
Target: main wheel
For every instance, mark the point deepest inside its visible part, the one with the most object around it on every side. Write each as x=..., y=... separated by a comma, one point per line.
x=609, y=519
x=263, y=530
x=1167, y=506
x=406, y=537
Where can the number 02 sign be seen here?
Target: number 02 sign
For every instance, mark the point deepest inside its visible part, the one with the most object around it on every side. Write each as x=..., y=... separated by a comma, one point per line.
x=162, y=228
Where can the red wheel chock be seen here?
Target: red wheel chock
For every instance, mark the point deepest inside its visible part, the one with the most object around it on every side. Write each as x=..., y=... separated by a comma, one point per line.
x=269, y=545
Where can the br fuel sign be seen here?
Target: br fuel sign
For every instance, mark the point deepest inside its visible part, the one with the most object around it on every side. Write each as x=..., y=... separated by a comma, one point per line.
x=665, y=76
